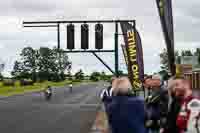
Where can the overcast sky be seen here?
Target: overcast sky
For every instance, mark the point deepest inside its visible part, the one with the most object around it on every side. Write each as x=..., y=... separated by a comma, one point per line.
x=13, y=37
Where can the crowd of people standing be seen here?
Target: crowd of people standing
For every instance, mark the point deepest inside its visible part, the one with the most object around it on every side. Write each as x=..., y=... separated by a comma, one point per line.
x=169, y=106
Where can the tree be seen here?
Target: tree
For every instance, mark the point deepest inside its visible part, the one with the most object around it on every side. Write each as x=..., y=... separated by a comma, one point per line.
x=120, y=72
x=62, y=62
x=2, y=66
x=53, y=62
x=164, y=59
x=63, y=59
x=69, y=74
x=178, y=59
x=42, y=64
x=95, y=76
x=79, y=75
x=48, y=67
x=197, y=53
x=164, y=74
x=186, y=53
x=103, y=76
x=29, y=58
x=1, y=77
x=17, y=69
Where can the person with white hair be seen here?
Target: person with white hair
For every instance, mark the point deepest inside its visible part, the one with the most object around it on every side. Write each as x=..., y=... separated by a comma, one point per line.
x=126, y=112
x=123, y=87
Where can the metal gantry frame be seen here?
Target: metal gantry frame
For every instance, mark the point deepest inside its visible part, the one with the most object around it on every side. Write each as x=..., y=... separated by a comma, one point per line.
x=56, y=24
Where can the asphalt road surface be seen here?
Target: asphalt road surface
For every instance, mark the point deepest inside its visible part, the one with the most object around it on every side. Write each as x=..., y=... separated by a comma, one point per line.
x=65, y=113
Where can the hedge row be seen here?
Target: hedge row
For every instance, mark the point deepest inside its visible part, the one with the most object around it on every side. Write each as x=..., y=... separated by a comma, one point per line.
x=11, y=82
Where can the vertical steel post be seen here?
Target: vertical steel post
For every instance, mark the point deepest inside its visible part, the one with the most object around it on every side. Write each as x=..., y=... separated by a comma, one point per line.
x=58, y=43
x=116, y=50
x=58, y=35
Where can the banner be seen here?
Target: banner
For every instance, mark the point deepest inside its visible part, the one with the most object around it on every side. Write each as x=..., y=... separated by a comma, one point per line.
x=125, y=55
x=166, y=18
x=133, y=50
x=140, y=56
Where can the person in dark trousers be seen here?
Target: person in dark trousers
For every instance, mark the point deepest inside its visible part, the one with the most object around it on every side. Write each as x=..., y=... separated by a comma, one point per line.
x=156, y=105
x=107, y=93
x=126, y=113
x=173, y=109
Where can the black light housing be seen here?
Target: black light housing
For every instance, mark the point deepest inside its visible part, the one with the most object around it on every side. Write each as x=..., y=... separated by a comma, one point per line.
x=70, y=36
x=84, y=36
x=99, y=36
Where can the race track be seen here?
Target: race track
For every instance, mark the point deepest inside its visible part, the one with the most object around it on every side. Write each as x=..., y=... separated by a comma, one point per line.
x=65, y=113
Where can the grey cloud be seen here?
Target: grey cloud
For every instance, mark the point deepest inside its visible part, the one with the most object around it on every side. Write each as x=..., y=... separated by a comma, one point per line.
x=187, y=21
x=33, y=5
x=186, y=29
x=188, y=7
x=144, y=11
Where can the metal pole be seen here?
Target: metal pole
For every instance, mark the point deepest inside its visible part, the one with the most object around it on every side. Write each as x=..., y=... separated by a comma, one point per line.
x=81, y=21
x=58, y=42
x=116, y=50
x=58, y=35
x=88, y=51
x=103, y=62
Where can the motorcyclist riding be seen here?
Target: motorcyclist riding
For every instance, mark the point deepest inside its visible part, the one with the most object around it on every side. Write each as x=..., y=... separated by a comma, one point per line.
x=70, y=87
x=48, y=93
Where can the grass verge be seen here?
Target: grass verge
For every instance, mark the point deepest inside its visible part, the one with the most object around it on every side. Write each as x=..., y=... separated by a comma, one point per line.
x=17, y=89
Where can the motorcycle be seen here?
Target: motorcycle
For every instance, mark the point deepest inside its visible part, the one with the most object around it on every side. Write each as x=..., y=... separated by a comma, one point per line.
x=70, y=88
x=48, y=94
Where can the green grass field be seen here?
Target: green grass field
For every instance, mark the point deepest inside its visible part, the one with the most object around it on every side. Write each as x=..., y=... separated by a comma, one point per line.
x=17, y=89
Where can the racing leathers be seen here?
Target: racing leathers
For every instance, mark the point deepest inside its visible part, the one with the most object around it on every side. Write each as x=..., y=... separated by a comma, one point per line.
x=188, y=117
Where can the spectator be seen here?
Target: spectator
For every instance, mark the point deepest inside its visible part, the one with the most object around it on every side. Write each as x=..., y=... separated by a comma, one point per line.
x=156, y=104
x=125, y=112
x=173, y=108
x=190, y=107
x=108, y=92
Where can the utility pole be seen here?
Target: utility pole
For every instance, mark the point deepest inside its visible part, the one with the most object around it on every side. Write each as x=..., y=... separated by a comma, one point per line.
x=116, y=50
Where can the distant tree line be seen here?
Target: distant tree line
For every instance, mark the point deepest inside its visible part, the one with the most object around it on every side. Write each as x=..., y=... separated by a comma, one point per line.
x=94, y=76
x=2, y=65
x=37, y=65
x=41, y=64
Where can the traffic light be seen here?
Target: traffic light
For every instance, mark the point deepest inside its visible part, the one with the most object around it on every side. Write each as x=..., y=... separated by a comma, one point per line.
x=84, y=36
x=99, y=36
x=70, y=36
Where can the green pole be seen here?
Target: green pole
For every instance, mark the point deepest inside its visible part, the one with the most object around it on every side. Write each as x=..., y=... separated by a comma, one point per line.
x=116, y=50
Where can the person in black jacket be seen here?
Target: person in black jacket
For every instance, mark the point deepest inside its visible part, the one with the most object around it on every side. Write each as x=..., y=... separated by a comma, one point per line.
x=156, y=105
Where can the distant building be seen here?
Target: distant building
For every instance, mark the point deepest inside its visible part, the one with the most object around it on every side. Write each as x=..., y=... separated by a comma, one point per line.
x=189, y=67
